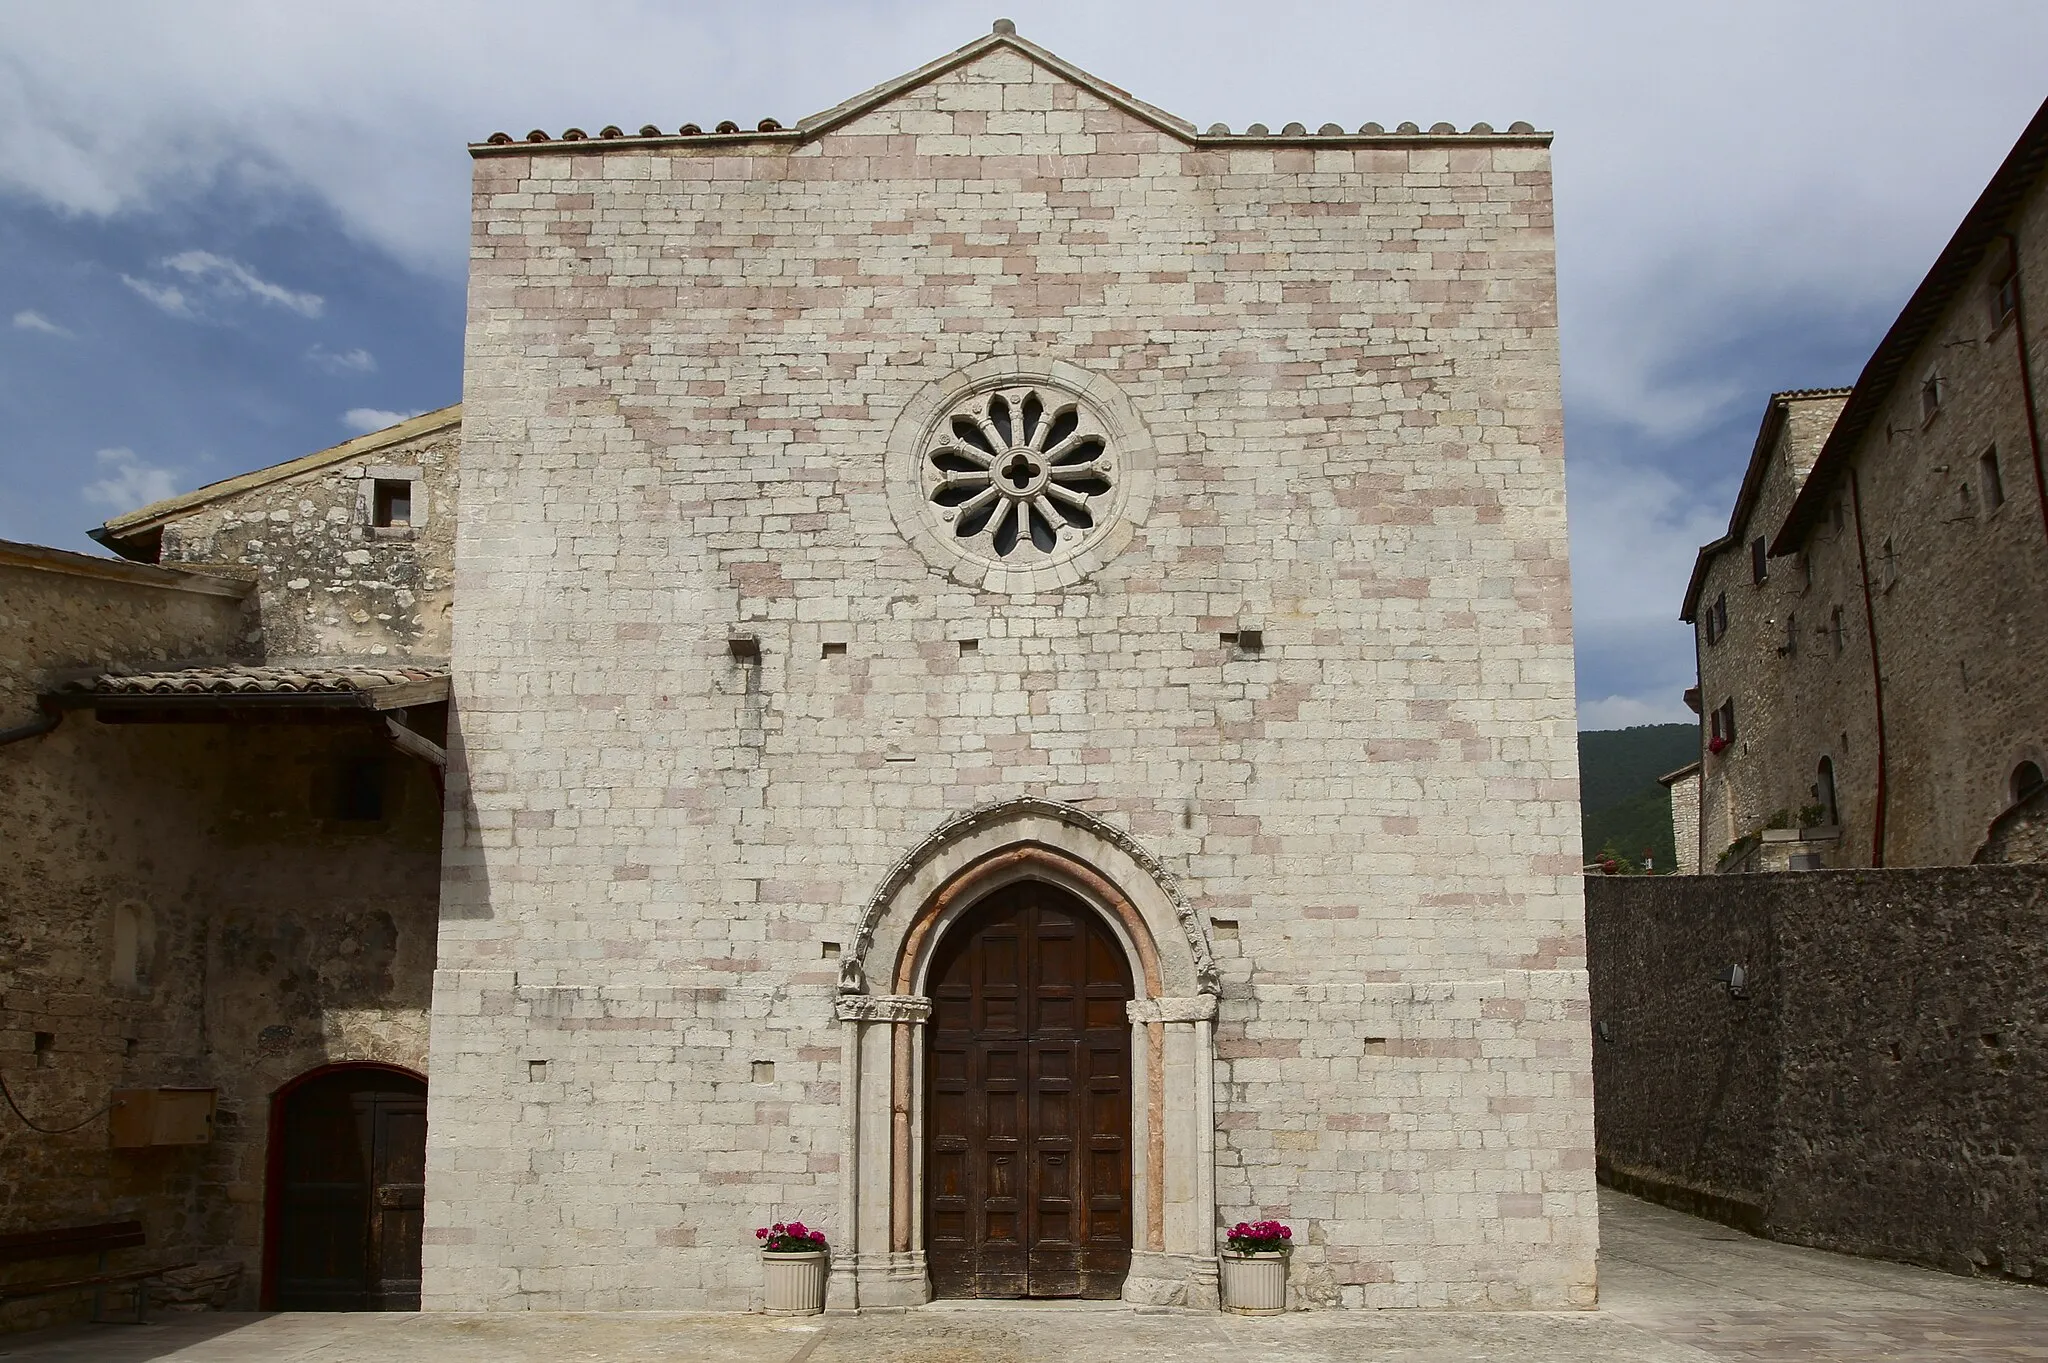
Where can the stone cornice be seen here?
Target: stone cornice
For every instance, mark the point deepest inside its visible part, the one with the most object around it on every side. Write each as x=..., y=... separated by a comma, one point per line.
x=882, y=1008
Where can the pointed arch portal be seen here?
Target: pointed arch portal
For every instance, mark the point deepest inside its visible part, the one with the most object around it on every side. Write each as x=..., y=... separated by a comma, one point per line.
x=929, y=916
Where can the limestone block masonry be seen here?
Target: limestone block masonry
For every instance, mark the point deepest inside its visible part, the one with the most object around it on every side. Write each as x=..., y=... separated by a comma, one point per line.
x=1277, y=681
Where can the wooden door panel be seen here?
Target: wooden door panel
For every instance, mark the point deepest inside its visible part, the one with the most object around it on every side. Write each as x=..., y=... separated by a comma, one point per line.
x=351, y=1192
x=1027, y=1179
x=399, y=1202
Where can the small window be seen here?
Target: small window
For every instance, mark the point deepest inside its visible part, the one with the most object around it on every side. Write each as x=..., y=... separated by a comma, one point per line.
x=1930, y=397
x=1791, y=645
x=1887, y=565
x=1824, y=791
x=2025, y=782
x=1759, y=561
x=390, y=502
x=1838, y=632
x=1990, y=485
x=1715, y=621
x=1835, y=517
x=359, y=795
x=1721, y=726
x=2005, y=299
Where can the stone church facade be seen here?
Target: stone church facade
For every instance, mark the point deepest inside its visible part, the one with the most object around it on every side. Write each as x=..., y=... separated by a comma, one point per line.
x=1012, y=699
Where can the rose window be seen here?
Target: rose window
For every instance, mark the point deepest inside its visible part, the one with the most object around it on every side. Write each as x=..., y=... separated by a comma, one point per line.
x=1019, y=475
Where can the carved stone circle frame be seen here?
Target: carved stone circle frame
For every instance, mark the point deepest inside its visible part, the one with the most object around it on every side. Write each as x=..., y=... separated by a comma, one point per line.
x=1026, y=475
x=882, y=1262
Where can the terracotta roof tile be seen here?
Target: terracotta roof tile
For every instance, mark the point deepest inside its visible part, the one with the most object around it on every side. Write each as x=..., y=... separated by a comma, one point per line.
x=220, y=681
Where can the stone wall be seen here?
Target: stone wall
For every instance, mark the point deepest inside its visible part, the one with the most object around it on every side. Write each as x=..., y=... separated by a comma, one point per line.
x=180, y=909
x=1878, y=1090
x=333, y=586
x=709, y=689
x=1772, y=626
x=1685, y=821
x=1921, y=578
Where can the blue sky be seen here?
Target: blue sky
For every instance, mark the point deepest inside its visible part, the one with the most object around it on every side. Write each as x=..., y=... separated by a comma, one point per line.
x=231, y=234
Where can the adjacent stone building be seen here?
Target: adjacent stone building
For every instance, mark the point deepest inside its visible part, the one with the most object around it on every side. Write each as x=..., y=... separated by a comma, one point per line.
x=1012, y=700
x=1746, y=614
x=221, y=801
x=1683, y=790
x=1870, y=649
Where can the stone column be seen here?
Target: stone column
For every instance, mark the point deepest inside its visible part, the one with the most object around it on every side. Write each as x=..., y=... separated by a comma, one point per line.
x=1179, y=1159
x=879, y=1263
x=842, y=1292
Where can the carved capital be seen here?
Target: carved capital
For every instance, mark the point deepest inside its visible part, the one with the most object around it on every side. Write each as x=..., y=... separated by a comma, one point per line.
x=883, y=1008
x=1199, y=1008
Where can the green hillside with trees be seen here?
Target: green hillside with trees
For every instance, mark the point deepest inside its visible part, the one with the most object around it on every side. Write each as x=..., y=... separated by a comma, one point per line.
x=1623, y=811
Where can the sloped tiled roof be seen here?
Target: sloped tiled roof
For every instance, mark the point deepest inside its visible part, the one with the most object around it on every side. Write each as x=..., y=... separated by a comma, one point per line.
x=374, y=688
x=1004, y=35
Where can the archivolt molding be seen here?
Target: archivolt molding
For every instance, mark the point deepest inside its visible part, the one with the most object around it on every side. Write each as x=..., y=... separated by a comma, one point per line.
x=853, y=968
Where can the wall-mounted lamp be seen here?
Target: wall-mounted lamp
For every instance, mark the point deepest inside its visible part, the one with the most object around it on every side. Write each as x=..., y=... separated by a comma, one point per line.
x=1737, y=981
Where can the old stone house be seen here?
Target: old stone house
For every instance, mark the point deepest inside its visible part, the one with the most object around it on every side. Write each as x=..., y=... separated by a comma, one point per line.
x=221, y=804
x=1868, y=631
x=1011, y=697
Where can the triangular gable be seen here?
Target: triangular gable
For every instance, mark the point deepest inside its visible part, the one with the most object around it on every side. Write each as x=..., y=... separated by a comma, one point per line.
x=769, y=133
x=1004, y=36
x=136, y=525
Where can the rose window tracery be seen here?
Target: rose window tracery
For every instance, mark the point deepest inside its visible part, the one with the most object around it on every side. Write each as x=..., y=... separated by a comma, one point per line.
x=1019, y=474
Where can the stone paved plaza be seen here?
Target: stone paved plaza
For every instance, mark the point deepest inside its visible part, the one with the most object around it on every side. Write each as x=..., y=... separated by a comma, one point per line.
x=1672, y=1289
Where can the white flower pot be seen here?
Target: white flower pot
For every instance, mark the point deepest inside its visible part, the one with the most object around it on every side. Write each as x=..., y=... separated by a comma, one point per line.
x=1254, y=1284
x=796, y=1283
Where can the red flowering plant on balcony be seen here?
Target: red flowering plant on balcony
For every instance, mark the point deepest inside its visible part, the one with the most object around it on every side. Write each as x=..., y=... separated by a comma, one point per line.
x=1259, y=1237
x=1716, y=744
x=793, y=1238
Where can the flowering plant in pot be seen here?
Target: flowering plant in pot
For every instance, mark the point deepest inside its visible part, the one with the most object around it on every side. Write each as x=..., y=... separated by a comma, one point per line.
x=793, y=1263
x=1254, y=1267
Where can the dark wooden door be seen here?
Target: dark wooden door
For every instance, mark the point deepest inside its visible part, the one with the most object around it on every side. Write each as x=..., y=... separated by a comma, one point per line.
x=351, y=1193
x=1028, y=1102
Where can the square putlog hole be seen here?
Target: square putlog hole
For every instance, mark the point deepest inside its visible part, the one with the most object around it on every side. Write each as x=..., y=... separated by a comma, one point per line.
x=764, y=1071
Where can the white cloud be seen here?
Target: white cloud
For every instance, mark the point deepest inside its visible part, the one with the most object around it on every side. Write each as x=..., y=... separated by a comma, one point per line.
x=356, y=361
x=1703, y=179
x=128, y=482
x=232, y=279
x=367, y=419
x=168, y=297
x=30, y=320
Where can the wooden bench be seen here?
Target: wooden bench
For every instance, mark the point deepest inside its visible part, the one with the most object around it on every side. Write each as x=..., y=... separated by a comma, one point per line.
x=74, y=1242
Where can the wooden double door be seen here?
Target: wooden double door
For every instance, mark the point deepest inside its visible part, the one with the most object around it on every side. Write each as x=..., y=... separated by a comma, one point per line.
x=351, y=1187
x=1028, y=1102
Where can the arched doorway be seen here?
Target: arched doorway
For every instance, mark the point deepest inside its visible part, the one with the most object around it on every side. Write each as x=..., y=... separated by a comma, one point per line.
x=348, y=1150
x=1028, y=1101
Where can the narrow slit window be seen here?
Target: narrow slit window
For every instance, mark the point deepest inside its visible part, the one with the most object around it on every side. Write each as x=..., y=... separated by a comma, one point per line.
x=2005, y=299
x=1990, y=484
x=390, y=503
x=1759, y=561
x=1930, y=397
